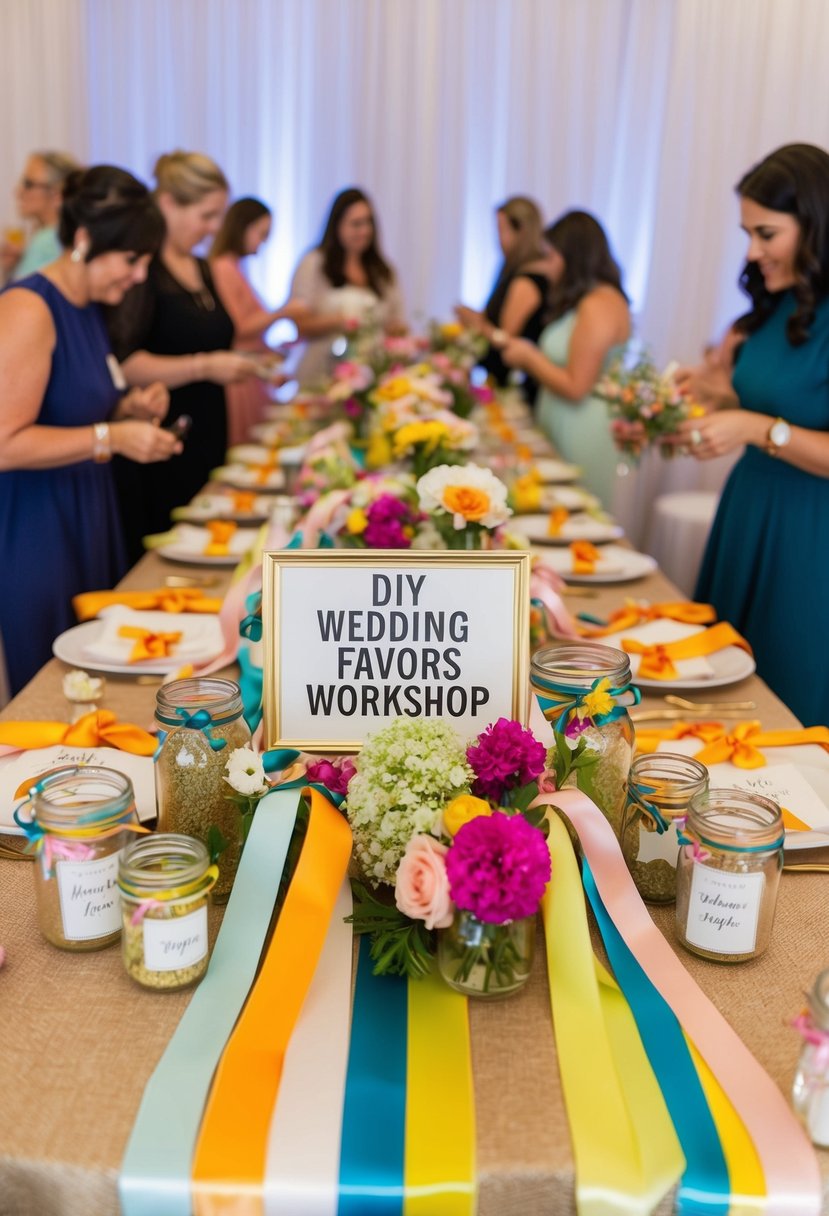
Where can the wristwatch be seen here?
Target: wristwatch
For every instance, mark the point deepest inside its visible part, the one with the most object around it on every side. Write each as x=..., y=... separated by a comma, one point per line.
x=779, y=435
x=498, y=338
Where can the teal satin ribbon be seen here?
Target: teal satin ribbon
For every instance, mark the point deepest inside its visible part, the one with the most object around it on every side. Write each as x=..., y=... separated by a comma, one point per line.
x=202, y=720
x=372, y=1153
x=576, y=701
x=636, y=798
x=278, y=759
x=705, y=1188
x=250, y=686
x=685, y=838
x=155, y=1173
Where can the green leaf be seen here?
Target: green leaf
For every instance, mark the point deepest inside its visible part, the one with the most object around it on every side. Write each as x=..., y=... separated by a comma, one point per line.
x=399, y=945
x=216, y=843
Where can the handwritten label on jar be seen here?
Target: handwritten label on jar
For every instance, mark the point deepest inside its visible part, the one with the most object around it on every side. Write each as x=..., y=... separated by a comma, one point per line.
x=659, y=846
x=175, y=943
x=89, y=905
x=723, y=910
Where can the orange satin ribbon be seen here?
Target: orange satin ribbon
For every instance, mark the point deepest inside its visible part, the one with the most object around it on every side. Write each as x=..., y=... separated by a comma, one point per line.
x=189, y=599
x=243, y=501
x=657, y=662
x=98, y=729
x=584, y=557
x=221, y=530
x=230, y=1157
x=558, y=518
x=648, y=740
x=741, y=745
x=149, y=645
x=634, y=613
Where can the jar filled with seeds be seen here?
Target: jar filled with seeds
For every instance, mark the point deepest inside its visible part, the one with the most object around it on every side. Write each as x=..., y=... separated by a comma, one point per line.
x=659, y=789
x=200, y=723
x=728, y=872
x=810, y=1092
x=165, y=882
x=78, y=819
x=584, y=690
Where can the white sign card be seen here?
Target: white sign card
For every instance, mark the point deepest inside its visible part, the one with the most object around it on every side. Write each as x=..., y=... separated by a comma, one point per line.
x=354, y=640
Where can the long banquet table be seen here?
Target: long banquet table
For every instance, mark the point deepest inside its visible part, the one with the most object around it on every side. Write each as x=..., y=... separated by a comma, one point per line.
x=79, y=1039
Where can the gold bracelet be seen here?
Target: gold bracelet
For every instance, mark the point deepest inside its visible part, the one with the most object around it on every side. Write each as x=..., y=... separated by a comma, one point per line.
x=101, y=445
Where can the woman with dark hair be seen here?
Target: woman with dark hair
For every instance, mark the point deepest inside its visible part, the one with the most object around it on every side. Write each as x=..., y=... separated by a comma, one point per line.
x=588, y=323
x=64, y=415
x=245, y=228
x=518, y=301
x=764, y=568
x=344, y=282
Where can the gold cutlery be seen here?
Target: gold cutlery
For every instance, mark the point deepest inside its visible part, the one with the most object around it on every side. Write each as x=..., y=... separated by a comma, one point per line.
x=803, y=867
x=678, y=715
x=708, y=706
x=190, y=580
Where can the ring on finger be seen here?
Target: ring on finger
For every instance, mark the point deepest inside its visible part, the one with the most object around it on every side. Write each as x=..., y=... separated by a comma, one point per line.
x=695, y=437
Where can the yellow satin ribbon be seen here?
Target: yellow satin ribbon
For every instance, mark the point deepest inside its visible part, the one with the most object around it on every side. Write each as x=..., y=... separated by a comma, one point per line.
x=188, y=599
x=584, y=557
x=220, y=530
x=658, y=662
x=148, y=644
x=741, y=744
x=634, y=613
x=230, y=1156
x=648, y=740
x=557, y=519
x=98, y=729
x=439, y=1171
x=625, y=1148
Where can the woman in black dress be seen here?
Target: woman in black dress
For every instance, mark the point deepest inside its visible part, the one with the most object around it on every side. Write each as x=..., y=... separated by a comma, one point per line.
x=176, y=330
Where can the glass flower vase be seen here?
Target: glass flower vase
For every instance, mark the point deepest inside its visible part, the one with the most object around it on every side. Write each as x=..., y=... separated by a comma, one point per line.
x=481, y=959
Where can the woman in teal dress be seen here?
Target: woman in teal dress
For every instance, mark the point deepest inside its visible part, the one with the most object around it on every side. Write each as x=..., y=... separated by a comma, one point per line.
x=588, y=323
x=765, y=568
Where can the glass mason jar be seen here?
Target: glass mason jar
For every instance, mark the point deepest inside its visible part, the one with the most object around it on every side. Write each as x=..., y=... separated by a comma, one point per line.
x=810, y=1091
x=81, y=819
x=481, y=959
x=728, y=873
x=665, y=783
x=165, y=882
x=579, y=686
x=200, y=724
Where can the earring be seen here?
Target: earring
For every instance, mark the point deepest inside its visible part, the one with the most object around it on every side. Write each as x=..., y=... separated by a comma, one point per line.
x=75, y=255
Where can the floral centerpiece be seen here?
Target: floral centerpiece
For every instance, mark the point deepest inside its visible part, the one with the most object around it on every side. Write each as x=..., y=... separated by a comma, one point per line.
x=443, y=438
x=647, y=400
x=330, y=468
x=350, y=388
x=466, y=504
x=462, y=347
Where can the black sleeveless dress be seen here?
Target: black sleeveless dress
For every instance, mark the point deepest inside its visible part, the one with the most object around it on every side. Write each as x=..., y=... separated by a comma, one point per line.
x=163, y=317
x=533, y=326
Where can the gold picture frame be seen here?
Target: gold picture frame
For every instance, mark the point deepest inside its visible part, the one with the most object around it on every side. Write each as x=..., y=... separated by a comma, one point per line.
x=278, y=728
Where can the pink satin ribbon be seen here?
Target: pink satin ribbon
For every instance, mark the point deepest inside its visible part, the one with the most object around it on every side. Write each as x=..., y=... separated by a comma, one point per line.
x=66, y=850
x=545, y=586
x=788, y=1160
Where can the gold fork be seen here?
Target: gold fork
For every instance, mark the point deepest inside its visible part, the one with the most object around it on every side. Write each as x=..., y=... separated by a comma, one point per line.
x=708, y=706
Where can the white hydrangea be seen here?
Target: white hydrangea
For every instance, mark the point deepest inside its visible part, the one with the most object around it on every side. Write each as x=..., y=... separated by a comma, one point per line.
x=406, y=773
x=80, y=686
x=245, y=772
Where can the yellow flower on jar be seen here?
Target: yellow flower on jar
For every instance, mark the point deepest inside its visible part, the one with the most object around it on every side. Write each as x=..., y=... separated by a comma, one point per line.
x=461, y=810
x=357, y=522
x=598, y=702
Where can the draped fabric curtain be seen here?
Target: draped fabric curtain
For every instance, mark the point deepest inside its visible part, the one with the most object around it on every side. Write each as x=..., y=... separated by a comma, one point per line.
x=645, y=112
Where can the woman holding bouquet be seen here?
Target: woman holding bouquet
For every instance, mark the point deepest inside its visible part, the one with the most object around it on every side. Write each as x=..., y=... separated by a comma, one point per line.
x=589, y=321
x=764, y=568
x=345, y=282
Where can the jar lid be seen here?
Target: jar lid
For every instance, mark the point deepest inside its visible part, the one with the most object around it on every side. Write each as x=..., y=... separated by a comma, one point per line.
x=574, y=666
x=179, y=700
x=736, y=821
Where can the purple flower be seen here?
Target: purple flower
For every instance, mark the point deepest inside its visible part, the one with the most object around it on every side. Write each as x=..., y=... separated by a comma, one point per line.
x=505, y=756
x=390, y=523
x=498, y=867
x=334, y=776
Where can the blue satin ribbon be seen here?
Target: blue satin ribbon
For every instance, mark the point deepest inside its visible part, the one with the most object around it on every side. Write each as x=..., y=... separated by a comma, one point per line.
x=372, y=1152
x=250, y=686
x=637, y=797
x=705, y=1188
x=575, y=701
x=155, y=1173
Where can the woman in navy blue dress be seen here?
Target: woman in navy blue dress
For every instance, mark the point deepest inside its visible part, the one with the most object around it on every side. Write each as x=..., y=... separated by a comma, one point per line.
x=64, y=415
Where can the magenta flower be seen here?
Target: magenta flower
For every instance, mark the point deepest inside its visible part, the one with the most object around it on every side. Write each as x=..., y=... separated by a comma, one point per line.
x=335, y=775
x=498, y=867
x=391, y=523
x=505, y=756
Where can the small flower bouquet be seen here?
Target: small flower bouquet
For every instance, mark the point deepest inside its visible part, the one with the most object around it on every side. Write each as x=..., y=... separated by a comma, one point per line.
x=451, y=831
x=351, y=388
x=426, y=443
x=465, y=503
x=641, y=395
x=330, y=468
x=249, y=783
x=463, y=347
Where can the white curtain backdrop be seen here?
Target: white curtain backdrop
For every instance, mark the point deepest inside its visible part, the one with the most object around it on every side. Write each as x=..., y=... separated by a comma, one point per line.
x=644, y=111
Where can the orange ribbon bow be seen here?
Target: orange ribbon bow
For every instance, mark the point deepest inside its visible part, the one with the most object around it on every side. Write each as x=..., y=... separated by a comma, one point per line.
x=634, y=613
x=557, y=519
x=148, y=645
x=243, y=501
x=658, y=662
x=741, y=745
x=220, y=531
x=98, y=729
x=648, y=740
x=189, y=599
x=584, y=557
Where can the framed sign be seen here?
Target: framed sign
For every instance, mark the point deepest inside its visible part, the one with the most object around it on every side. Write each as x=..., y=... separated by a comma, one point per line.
x=353, y=639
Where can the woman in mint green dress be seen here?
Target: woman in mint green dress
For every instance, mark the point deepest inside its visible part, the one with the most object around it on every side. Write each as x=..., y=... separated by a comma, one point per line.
x=765, y=568
x=588, y=323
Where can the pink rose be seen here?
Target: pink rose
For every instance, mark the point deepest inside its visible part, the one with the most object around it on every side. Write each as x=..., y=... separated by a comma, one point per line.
x=421, y=889
x=547, y=782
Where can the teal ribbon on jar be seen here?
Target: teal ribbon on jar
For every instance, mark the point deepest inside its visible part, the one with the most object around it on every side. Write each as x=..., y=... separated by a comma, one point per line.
x=202, y=720
x=647, y=810
x=561, y=699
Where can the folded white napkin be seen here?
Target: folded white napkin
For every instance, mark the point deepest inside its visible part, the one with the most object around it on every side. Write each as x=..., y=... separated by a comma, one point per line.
x=250, y=478
x=655, y=633
x=201, y=635
x=190, y=538
x=555, y=470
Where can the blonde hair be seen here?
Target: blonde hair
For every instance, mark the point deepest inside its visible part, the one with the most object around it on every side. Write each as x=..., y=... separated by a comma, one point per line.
x=524, y=218
x=58, y=166
x=188, y=176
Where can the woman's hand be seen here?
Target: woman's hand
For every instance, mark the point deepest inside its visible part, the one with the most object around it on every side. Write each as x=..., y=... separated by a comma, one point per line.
x=469, y=318
x=226, y=367
x=144, y=442
x=518, y=352
x=148, y=404
x=709, y=384
x=628, y=435
x=722, y=431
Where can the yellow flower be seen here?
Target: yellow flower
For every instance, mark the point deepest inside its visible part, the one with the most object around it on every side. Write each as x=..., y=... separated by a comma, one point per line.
x=597, y=703
x=461, y=809
x=429, y=433
x=393, y=389
x=526, y=494
x=697, y=411
x=378, y=452
x=450, y=330
x=357, y=522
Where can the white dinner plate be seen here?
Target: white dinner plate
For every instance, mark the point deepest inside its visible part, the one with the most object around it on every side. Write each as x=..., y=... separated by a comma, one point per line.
x=620, y=565
x=72, y=648
x=728, y=666
x=577, y=527
x=551, y=471
x=246, y=477
x=188, y=543
x=256, y=453
x=220, y=506
x=572, y=498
